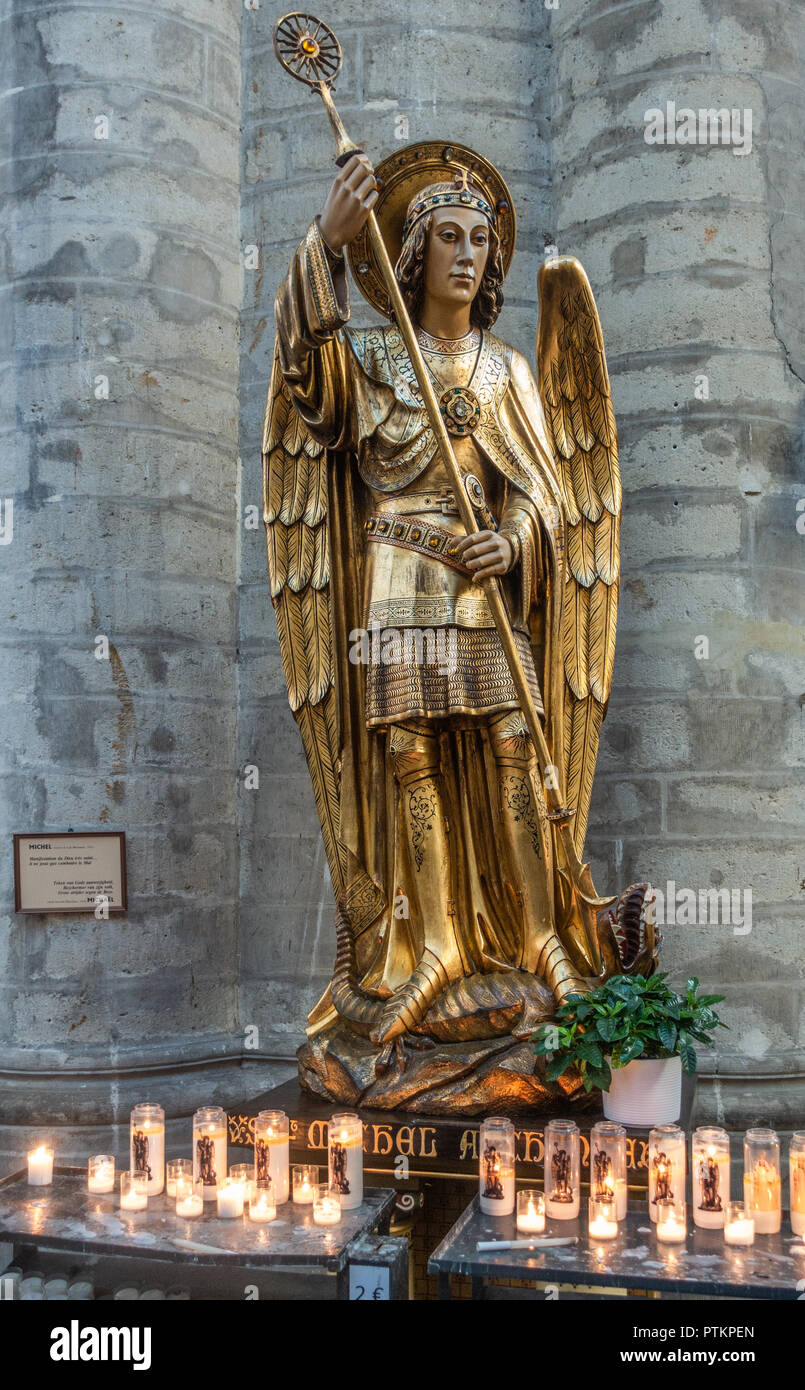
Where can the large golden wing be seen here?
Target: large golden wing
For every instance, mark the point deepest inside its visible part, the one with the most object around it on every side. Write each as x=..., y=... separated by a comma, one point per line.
x=576, y=399
x=295, y=514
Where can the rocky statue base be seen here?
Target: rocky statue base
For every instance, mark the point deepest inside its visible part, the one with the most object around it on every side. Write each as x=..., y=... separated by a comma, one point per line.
x=472, y=1052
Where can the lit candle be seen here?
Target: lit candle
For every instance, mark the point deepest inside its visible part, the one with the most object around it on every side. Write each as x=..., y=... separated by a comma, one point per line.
x=496, y=1166
x=147, y=1145
x=134, y=1191
x=177, y=1168
x=230, y=1199
x=209, y=1148
x=667, y=1163
x=271, y=1152
x=796, y=1173
x=602, y=1222
x=262, y=1206
x=710, y=1168
x=101, y=1173
x=762, y=1186
x=671, y=1225
x=326, y=1205
x=243, y=1173
x=40, y=1167
x=562, y=1170
x=530, y=1212
x=189, y=1197
x=305, y=1182
x=608, y=1165
x=345, y=1156
x=739, y=1225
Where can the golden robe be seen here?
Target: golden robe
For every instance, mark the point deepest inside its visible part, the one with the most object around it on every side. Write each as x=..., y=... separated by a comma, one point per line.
x=356, y=394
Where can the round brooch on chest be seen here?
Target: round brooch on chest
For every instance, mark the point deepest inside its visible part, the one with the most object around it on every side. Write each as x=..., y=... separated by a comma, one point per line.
x=460, y=408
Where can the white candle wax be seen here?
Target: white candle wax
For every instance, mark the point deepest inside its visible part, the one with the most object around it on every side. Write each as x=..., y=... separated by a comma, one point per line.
x=303, y=1193
x=326, y=1213
x=190, y=1204
x=562, y=1211
x=230, y=1200
x=272, y=1160
x=762, y=1199
x=346, y=1155
x=102, y=1178
x=740, y=1232
x=531, y=1220
x=262, y=1209
x=602, y=1229
x=209, y=1156
x=147, y=1146
x=134, y=1200
x=671, y=1231
x=40, y=1167
x=703, y=1216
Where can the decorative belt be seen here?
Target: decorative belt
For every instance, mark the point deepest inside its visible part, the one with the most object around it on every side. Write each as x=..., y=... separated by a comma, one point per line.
x=420, y=536
x=417, y=502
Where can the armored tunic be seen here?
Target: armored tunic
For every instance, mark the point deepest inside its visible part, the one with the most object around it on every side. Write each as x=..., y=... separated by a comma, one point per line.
x=356, y=390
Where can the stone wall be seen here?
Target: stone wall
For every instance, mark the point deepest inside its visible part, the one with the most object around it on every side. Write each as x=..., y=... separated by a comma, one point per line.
x=691, y=251
x=121, y=293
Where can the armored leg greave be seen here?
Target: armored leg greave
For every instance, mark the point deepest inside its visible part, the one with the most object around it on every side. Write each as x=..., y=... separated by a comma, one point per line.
x=528, y=841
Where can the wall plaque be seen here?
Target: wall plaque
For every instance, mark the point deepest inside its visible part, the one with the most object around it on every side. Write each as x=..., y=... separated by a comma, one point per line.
x=72, y=871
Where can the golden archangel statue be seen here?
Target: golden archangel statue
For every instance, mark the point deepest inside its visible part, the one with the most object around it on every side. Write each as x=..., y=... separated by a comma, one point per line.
x=455, y=928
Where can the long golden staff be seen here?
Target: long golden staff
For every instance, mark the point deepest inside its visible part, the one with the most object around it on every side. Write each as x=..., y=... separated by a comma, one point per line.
x=309, y=51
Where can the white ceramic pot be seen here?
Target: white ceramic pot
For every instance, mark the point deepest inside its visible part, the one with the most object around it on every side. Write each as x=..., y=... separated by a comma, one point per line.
x=645, y=1092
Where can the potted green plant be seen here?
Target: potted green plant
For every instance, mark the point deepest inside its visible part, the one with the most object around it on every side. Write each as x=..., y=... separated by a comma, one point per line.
x=631, y=1037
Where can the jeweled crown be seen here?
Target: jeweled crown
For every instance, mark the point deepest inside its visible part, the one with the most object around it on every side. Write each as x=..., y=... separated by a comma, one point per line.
x=459, y=194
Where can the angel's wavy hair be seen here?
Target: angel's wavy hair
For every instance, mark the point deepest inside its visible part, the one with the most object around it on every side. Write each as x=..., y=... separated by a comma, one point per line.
x=410, y=273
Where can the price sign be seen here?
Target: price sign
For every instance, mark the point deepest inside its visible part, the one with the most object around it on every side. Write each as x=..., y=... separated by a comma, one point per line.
x=369, y=1283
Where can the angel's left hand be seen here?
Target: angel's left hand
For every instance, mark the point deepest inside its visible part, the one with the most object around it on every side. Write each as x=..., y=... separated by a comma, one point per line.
x=487, y=553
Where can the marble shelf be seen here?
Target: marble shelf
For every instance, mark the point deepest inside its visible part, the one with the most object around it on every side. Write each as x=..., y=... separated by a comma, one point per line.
x=635, y=1259
x=65, y=1216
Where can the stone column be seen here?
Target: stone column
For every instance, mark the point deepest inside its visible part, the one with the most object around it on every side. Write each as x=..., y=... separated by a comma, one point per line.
x=692, y=251
x=460, y=72
x=121, y=292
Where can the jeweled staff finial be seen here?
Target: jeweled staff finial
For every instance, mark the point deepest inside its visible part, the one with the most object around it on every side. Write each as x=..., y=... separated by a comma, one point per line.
x=307, y=49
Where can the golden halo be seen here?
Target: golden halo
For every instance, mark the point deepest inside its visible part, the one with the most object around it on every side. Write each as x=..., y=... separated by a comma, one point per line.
x=402, y=175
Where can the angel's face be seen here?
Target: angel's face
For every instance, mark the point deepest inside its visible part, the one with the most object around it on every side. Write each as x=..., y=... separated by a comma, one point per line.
x=458, y=247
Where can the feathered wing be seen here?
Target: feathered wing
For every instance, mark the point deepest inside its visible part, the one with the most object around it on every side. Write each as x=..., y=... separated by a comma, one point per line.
x=576, y=400
x=295, y=514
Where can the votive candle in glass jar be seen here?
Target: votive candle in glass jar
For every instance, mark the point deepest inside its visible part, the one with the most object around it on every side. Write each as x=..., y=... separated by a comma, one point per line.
x=230, y=1197
x=666, y=1166
x=562, y=1169
x=796, y=1173
x=40, y=1167
x=530, y=1211
x=710, y=1175
x=671, y=1221
x=177, y=1168
x=496, y=1166
x=305, y=1182
x=739, y=1224
x=271, y=1152
x=262, y=1206
x=608, y=1165
x=602, y=1218
x=327, y=1204
x=133, y=1191
x=101, y=1173
x=244, y=1174
x=762, y=1186
x=345, y=1157
x=189, y=1194
x=147, y=1145
x=209, y=1149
